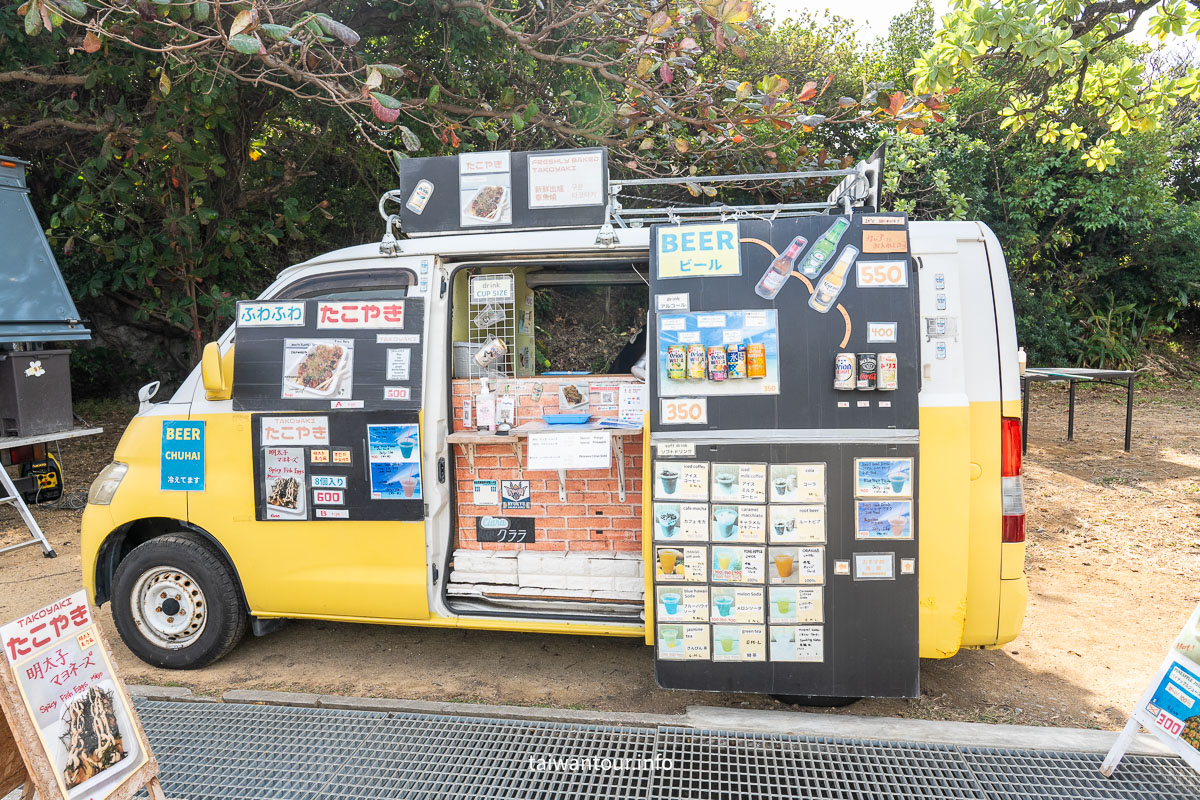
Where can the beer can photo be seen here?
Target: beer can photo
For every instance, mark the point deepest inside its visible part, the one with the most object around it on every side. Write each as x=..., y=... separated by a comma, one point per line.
x=736, y=354
x=868, y=372
x=718, y=366
x=888, y=372
x=676, y=362
x=844, y=375
x=756, y=360
x=696, y=362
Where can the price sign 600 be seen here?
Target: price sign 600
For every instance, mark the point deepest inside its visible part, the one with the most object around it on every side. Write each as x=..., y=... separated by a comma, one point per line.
x=684, y=411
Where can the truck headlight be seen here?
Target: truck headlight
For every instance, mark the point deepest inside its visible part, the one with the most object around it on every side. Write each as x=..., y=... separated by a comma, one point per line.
x=106, y=483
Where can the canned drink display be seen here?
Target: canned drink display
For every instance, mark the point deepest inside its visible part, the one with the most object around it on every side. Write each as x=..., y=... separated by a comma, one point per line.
x=844, y=374
x=888, y=372
x=697, y=360
x=868, y=372
x=736, y=356
x=492, y=349
x=718, y=367
x=676, y=362
x=941, y=349
x=756, y=360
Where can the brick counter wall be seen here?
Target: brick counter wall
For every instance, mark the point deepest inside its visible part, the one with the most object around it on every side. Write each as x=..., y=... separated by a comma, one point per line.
x=592, y=520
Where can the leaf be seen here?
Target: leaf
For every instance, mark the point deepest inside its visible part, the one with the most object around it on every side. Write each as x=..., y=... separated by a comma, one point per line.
x=895, y=103
x=646, y=144
x=247, y=44
x=743, y=90
x=337, y=30
x=384, y=113
x=73, y=7
x=374, y=80
x=201, y=10
x=33, y=22
x=666, y=73
x=775, y=85
x=659, y=23
x=279, y=33
x=735, y=11
x=688, y=44
x=644, y=65
x=808, y=92
x=386, y=100
x=681, y=144
x=175, y=136
x=242, y=22
x=388, y=70
x=91, y=42
x=410, y=140
x=164, y=83
x=847, y=102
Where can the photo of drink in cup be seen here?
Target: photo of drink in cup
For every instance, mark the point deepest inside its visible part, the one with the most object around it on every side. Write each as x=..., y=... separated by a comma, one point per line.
x=897, y=524
x=783, y=524
x=783, y=643
x=724, y=604
x=898, y=477
x=724, y=523
x=726, y=641
x=883, y=519
x=781, y=567
x=668, y=602
x=726, y=563
x=669, y=563
x=396, y=481
x=666, y=520
x=725, y=482
x=668, y=478
x=670, y=638
x=783, y=604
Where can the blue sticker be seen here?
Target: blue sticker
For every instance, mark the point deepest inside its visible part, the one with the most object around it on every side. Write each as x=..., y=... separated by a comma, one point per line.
x=182, y=467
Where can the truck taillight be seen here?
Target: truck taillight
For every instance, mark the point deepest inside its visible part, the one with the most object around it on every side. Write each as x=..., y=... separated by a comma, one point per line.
x=1012, y=490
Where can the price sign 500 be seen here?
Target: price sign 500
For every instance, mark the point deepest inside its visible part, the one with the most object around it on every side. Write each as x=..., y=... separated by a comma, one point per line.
x=684, y=411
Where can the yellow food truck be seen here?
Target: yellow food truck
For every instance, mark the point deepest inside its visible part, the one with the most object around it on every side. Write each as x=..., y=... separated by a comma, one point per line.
x=802, y=476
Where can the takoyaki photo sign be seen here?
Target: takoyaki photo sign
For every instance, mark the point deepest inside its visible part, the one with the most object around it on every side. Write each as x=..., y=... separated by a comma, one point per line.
x=71, y=718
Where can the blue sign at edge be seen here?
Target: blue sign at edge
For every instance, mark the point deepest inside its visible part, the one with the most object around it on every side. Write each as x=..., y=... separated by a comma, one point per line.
x=182, y=459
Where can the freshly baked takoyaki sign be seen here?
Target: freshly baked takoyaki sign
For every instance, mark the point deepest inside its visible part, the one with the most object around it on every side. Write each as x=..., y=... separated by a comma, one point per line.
x=72, y=720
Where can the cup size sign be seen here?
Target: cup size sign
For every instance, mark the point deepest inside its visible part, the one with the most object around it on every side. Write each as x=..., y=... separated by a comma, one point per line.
x=868, y=372
x=844, y=376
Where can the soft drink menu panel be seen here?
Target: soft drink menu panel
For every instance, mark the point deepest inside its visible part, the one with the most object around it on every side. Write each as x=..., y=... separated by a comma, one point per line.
x=794, y=324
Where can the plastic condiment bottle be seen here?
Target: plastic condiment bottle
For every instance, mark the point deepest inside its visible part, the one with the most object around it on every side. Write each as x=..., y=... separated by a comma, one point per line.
x=485, y=408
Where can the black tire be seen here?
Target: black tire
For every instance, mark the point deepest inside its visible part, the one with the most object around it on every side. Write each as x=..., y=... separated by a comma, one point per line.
x=813, y=701
x=217, y=622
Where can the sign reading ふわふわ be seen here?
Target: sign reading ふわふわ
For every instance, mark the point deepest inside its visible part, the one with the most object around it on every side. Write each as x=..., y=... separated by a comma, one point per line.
x=72, y=721
x=698, y=251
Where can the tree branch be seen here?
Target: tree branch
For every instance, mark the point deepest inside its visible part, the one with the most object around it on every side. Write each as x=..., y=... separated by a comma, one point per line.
x=38, y=77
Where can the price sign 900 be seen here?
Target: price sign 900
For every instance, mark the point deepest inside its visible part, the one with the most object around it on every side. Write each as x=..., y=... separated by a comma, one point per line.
x=877, y=274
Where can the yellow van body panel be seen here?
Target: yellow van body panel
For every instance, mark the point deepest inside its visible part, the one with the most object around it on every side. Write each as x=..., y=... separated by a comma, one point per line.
x=943, y=546
x=488, y=624
x=330, y=568
x=139, y=495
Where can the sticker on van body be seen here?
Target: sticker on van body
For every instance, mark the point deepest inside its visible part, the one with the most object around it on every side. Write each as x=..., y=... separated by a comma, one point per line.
x=182, y=461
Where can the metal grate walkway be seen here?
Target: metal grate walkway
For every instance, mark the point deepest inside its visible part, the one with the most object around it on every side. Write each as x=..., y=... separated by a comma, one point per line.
x=222, y=750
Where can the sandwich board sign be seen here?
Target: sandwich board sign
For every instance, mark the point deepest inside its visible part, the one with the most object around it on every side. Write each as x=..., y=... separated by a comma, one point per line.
x=73, y=731
x=1170, y=707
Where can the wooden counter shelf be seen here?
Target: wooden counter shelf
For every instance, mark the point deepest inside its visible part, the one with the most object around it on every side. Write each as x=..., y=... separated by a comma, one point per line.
x=469, y=439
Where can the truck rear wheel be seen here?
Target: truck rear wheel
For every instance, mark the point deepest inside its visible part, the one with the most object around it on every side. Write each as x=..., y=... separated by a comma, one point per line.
x=814, y=701
x=176, y=604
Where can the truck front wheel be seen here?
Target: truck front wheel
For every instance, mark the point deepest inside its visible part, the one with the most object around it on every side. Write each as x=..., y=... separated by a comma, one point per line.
x=176, y=604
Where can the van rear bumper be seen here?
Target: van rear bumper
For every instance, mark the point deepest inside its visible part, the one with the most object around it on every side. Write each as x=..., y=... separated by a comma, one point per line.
x=1014, y=596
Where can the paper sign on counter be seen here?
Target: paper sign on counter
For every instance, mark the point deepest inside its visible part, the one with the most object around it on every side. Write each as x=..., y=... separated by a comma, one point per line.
x=569, y=450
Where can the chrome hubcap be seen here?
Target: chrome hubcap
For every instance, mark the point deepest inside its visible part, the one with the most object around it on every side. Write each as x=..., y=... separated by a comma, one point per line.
x=168, y=607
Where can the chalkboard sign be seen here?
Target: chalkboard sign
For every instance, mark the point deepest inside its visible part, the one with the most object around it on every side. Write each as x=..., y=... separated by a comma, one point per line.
x=509, y=530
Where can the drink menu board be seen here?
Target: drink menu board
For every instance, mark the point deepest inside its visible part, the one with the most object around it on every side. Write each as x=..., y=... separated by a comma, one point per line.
x=785, y=498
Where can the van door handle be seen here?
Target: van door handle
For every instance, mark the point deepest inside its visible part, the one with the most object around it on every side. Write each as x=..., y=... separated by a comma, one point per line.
x=441, y=470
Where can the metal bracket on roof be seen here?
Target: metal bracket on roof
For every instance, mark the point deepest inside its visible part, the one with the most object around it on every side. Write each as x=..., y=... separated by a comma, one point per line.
x=389, y=245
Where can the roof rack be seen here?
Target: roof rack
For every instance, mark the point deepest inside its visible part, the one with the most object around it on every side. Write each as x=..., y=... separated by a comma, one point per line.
x=859, y=188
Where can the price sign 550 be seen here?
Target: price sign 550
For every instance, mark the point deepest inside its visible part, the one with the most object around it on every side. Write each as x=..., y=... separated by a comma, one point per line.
x=878, y=274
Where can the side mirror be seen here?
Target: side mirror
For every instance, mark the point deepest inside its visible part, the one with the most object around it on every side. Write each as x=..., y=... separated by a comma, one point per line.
x=212, y=372
x=145, y=394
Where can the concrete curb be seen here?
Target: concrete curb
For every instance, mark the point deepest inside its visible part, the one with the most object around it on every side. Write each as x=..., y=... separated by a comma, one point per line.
x=791, y=723
x=923, y=731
